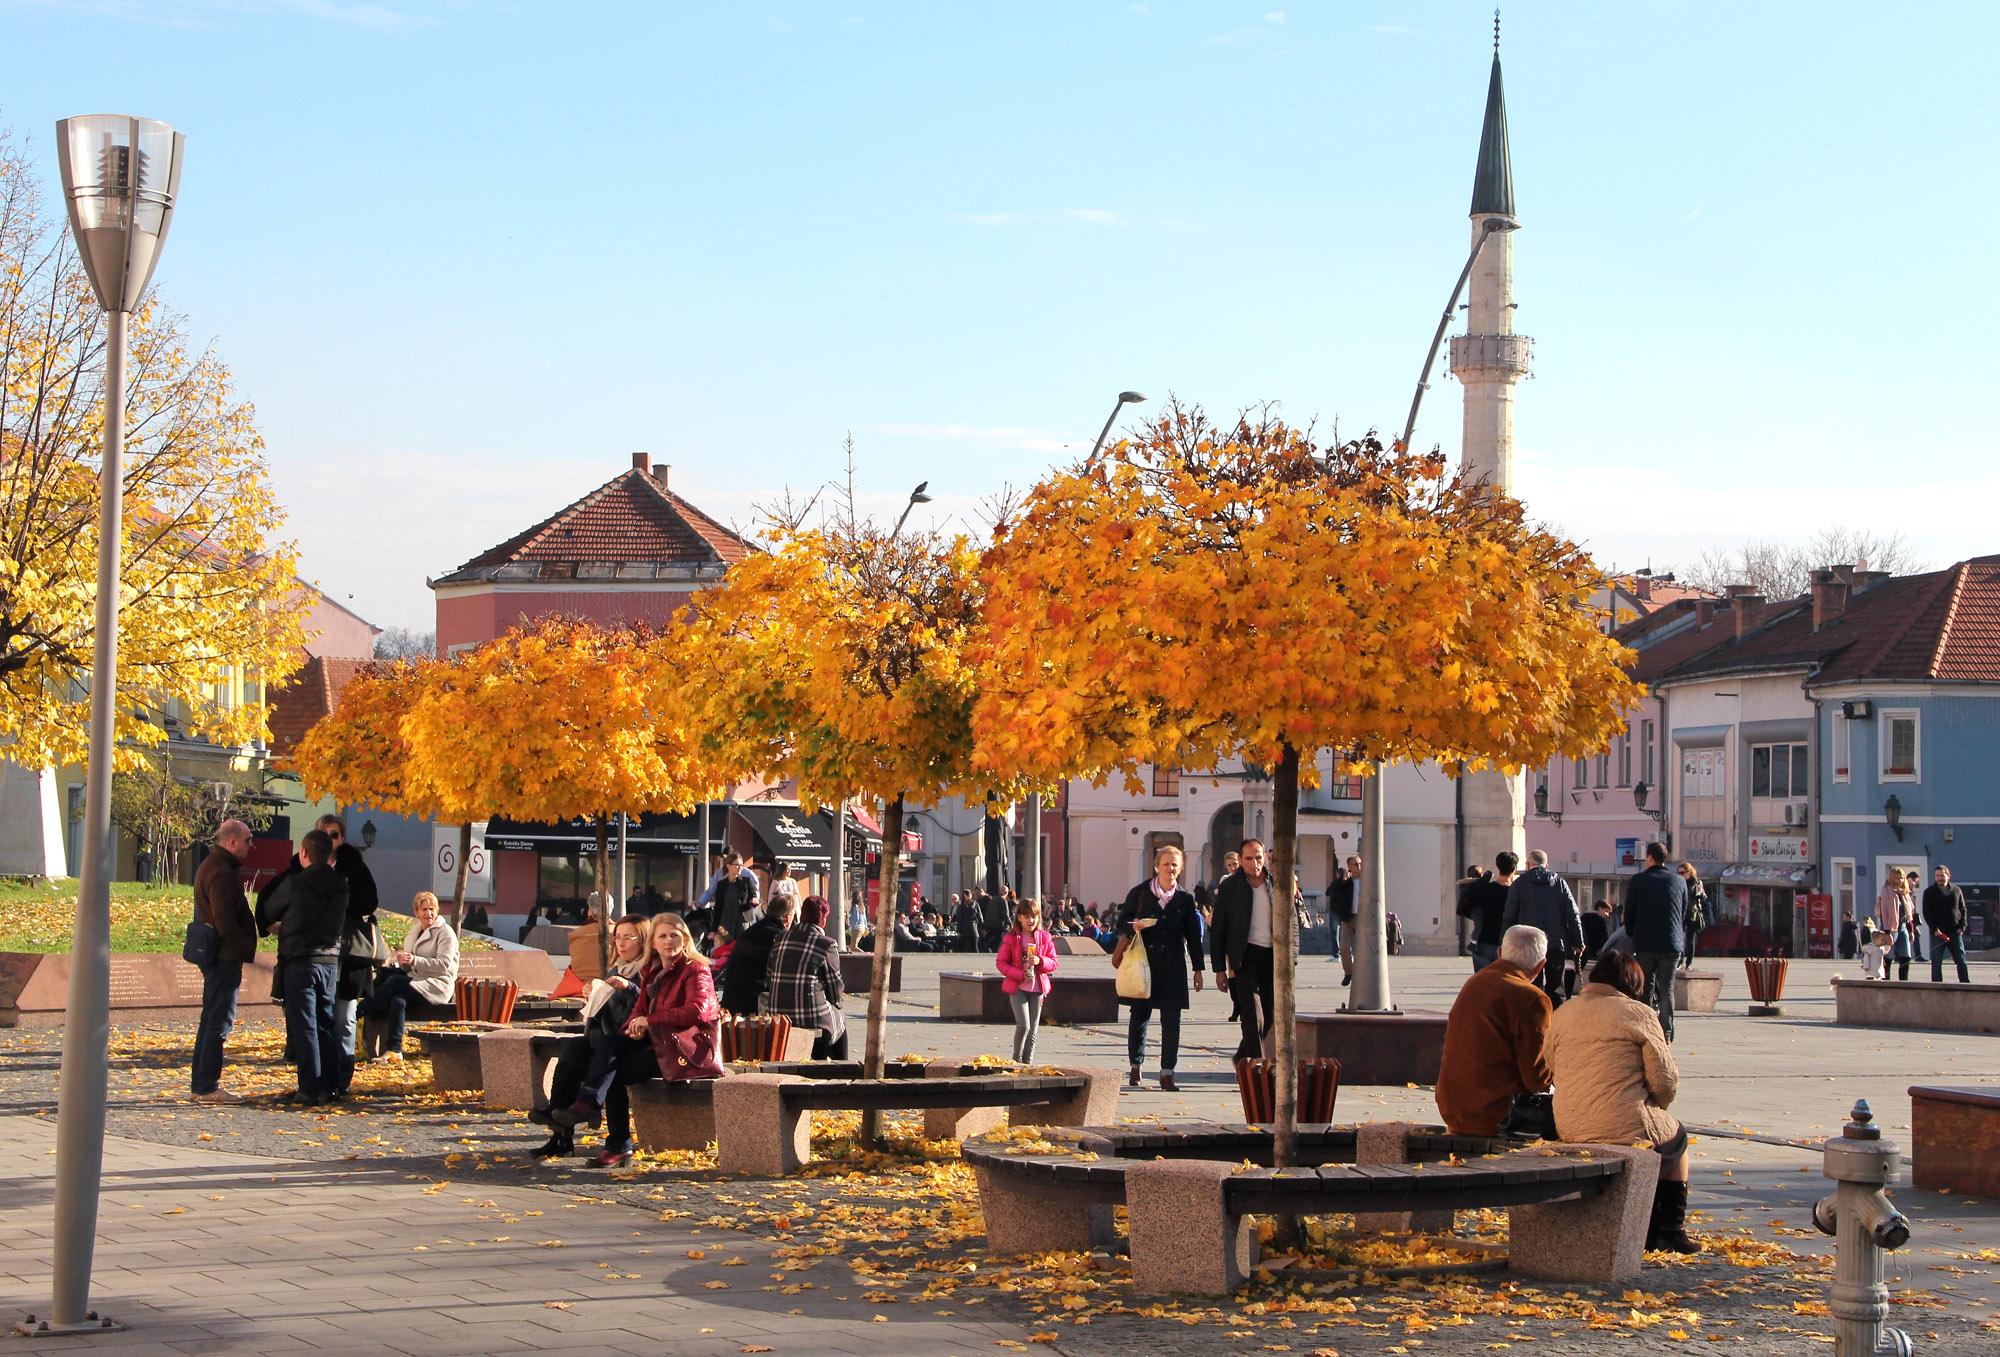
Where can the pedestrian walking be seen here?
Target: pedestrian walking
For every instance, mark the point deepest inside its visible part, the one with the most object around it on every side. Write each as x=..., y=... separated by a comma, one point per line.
x=1697, y=912
x=1656, y=908
x=219, y=903
x=1026, y=962
x=1343, y=896
x=1487, y=901
x=309, y=912
x=1541, y=899
x=732, y=900
x=1945, y=917
x=1160, y=914
x=1239, y=944
x=1897, y=903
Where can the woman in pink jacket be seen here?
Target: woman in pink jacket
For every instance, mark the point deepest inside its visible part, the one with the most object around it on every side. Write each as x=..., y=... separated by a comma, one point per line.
x=1027, y=959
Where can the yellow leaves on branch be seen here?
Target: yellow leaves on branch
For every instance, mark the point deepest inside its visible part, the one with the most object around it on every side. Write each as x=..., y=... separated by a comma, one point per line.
x=207, y=599
x=561, y=719
x=1210, y=592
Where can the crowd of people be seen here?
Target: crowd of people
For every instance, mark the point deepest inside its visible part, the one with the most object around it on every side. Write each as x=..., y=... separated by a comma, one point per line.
x=1907, y=926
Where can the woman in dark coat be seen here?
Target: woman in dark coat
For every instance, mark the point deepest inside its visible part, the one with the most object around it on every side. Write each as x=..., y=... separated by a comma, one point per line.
x=1163, y=916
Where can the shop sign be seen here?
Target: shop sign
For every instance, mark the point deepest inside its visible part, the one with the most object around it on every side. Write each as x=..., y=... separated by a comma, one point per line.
x=1777, y=848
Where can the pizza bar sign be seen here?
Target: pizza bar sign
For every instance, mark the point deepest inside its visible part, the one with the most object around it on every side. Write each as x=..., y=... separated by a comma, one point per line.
x=1778, y=848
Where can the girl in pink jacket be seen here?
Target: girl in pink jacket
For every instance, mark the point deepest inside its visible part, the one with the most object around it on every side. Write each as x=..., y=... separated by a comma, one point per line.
x=1027, y=959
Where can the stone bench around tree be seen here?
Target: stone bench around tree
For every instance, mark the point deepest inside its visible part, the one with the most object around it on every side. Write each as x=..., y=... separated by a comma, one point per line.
x=1955, y=1140
x=976, y=996
x=1577, y=1212
x=764, y=1121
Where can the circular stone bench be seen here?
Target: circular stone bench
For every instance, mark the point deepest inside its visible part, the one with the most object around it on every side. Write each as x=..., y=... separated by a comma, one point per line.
x=763, y=1122
x=1576, y=1212
x=976, y=996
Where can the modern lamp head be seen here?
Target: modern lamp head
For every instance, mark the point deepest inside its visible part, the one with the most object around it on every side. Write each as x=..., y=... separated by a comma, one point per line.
x=120, y=176
x=1131, y=397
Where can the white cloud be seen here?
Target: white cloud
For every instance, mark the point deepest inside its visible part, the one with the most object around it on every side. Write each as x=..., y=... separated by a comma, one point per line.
x=1276, y=16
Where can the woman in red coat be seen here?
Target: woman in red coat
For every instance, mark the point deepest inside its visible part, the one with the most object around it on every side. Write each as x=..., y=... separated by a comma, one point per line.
x=678, y=1012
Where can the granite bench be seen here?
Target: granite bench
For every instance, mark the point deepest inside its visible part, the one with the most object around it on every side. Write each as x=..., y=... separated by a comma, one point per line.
x=976, y=996
x=674, y=1115
x=1955, y=1139
x=1946, y=1007
x=1577, y=1212
x=764, y=1121
x=857, y=969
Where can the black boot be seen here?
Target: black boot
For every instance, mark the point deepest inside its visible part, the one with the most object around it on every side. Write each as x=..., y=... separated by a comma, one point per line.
x=558, y=1146
x=1668, y=1230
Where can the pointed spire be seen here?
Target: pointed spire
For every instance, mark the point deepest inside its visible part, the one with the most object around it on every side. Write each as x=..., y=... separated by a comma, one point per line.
x=1493, y=183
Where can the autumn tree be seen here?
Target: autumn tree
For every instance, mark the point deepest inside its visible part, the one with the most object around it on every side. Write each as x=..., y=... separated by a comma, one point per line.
x=1239, y=592
x=204, y=588
x=838, y=659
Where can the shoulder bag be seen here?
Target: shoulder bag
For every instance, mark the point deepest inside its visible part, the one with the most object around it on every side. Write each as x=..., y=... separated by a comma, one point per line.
x=202, y=941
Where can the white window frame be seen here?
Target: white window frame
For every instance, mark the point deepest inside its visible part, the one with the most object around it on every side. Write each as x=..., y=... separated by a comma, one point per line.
x=1843, y=871
x=1885, y=725
x=1646, y=740
x=1625, y=760
x=1843, y=748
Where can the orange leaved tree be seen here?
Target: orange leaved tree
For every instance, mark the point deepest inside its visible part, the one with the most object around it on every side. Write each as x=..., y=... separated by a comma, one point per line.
x=838, y=659
x=1224, y=592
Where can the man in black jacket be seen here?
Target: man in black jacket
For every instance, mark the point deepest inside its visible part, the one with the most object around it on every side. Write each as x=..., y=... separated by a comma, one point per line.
x=1656, y=902
x=220, y=903
x=1239, y=945
x=743, y=976
x=1945, y=916
x=734, y=896
x=1343, y=895
x=309, y=911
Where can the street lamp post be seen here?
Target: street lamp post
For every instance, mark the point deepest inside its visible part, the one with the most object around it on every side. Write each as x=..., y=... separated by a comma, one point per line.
x=119, y=176
x=917, y=496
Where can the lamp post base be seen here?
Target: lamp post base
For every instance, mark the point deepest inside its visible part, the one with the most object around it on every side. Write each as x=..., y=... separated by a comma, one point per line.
x=47, y=1328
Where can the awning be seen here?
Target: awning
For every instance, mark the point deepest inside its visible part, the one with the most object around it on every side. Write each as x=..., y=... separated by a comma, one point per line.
x=1784, y=876
x=678, y=832
x=791, y=834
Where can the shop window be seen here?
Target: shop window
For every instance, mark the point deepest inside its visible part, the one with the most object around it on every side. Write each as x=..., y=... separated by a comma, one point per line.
x=1900, y=752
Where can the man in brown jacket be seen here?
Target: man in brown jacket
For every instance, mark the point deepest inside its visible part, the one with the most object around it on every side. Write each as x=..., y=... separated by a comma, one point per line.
x=1493, y=1038
x=219, y=902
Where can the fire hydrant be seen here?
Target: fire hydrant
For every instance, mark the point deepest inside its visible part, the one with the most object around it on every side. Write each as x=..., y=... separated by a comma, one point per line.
x=1863, y=1223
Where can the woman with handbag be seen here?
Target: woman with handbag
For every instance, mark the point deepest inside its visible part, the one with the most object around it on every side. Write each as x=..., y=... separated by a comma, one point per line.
x=678, y=1014
x=1026, y=960
x=1162, y=916
x=585, y=1065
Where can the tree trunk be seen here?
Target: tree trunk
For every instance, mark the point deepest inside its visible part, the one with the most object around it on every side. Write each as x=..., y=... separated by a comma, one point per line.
x=603, y=894
x=878, y=975
x=464, y=870
x=1284, y=958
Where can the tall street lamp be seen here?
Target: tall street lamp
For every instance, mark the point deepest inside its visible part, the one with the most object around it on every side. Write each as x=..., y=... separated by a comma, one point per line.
x=917, y=496
x=119, y=176
x=1125, y=398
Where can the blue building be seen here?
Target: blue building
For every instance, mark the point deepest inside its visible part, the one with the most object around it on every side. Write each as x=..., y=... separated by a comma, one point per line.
x=1908, y=727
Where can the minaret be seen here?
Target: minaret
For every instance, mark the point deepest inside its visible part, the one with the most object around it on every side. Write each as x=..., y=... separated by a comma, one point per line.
x=1488, y=359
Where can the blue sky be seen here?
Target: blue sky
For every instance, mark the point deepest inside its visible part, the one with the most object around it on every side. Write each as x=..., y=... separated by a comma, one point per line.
x=467, y=257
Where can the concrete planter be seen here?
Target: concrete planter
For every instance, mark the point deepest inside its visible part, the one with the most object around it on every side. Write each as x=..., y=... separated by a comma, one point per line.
x=1697, y=991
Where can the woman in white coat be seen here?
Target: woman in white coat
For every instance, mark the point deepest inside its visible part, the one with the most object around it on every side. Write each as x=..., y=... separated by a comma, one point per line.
x=425, y=967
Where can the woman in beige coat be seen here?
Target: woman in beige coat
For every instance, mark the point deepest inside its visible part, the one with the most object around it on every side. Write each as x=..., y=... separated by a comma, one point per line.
x=1614, y=1077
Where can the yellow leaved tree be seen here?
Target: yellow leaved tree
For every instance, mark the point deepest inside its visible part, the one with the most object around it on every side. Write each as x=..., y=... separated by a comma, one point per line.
x=1210, y=592
x=838, y=658
x=205, y=593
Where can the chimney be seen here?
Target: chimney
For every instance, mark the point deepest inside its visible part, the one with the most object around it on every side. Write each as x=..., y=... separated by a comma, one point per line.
x=1737, y=590
x=638, y=461
x=1746, y=607
x=1829, y=594
x=1642, y=587
x=660, y=470
x=1704, y=612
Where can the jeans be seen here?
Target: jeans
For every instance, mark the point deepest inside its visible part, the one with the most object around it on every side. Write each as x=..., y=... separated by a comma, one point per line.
x=1170, y=1036
x=1250, y=985
x=310, y=1031
x=633, y=1067
x=393, y=995
x=343, y=1033
x=1483, y=956
x=1955, y=944
x=1346, y=927
x=1551, y=978
x=219, y=983
x=1027, y=1006
x=1659, y=969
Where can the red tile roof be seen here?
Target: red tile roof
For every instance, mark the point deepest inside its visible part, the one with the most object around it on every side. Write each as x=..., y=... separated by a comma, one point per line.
x=313, y=693
x=631, y=527
x=1947, y=629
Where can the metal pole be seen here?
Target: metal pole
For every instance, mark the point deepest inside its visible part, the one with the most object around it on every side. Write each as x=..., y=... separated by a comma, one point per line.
x=1492, y=224
x=836, y=913
x=1370, y=992
x=87, y=1021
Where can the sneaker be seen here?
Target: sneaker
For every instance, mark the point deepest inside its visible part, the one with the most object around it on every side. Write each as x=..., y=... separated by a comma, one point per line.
x=220, y=1095
x=388, y=1058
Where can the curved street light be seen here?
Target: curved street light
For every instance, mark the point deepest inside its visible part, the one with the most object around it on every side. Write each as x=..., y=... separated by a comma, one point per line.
x=917, y=496
x=120, y=176
x=1125, y=398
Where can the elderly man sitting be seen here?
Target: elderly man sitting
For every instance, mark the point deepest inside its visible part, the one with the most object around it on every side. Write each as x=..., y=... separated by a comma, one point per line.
x=1493, y=1038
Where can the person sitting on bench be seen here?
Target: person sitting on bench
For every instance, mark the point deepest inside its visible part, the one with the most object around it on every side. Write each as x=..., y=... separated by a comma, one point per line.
x=1493, y=1038
x=586, y=1065
x=424, y=967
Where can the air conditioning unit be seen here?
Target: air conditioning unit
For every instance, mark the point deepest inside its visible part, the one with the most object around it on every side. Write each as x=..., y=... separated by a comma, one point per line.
x=1795, y=816
x=1857, y=711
